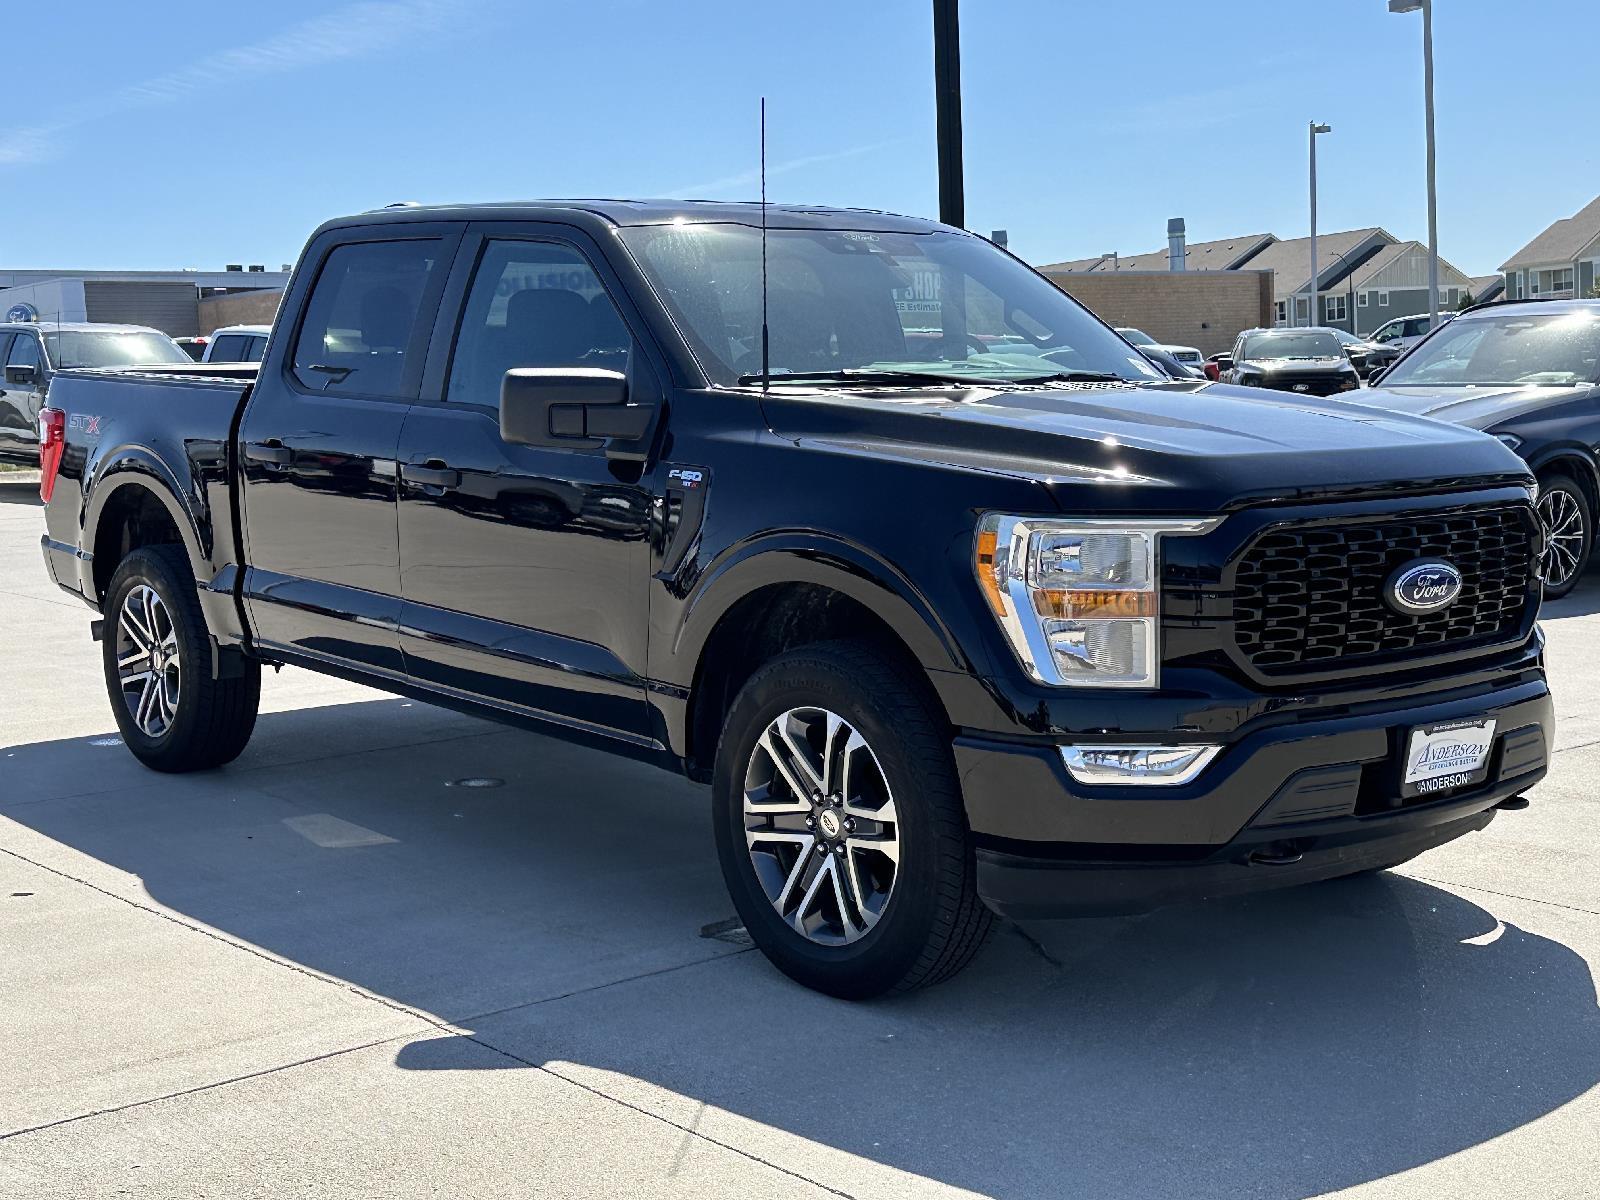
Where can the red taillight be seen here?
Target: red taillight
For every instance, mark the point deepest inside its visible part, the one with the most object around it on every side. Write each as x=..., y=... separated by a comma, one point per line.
x=52, y=444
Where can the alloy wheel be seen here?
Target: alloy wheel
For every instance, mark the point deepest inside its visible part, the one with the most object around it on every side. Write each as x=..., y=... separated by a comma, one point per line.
x=820, y=825
x=148, y=666
x=1565, y=536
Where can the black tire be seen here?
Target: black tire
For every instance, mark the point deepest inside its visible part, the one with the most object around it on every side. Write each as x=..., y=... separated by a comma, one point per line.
x=1562, y=499
x=212, y=719
x=932, y=923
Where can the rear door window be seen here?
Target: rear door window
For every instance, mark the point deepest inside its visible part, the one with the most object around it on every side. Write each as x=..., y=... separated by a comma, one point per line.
x=256, y=351
x=363, y=323
x=227, y=347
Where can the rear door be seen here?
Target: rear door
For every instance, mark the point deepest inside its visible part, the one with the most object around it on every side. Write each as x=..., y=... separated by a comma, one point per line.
x=20, y=402
x=319, y=439
x=524, y=569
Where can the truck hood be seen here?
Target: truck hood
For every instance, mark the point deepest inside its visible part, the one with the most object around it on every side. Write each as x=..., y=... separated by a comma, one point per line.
x=1192, y=446
x=1475, y=407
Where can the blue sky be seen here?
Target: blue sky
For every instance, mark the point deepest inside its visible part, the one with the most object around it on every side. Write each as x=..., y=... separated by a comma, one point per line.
x=185, y=134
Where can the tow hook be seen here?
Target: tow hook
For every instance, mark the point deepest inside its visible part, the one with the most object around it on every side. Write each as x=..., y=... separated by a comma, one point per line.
x=1277, y=854
x=1513, y=803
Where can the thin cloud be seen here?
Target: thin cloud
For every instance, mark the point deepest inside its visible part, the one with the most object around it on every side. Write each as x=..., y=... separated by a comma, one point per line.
x=352, y=31
x=788, y=166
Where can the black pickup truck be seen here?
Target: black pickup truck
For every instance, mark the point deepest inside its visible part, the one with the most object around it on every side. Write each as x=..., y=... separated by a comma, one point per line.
x=958, y=605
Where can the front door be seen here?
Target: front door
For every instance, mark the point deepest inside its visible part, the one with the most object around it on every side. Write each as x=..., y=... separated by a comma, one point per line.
x=20, y=402
x=319, y=442
x=524, y=569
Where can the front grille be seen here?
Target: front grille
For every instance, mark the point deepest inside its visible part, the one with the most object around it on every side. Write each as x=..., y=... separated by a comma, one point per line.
x=1314, y=384
x=1310, y=598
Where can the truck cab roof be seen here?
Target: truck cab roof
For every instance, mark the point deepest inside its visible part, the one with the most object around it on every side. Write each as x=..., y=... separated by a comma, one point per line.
x=650, y=212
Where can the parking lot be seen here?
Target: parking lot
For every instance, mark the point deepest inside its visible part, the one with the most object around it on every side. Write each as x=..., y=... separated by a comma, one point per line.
x=335, y=969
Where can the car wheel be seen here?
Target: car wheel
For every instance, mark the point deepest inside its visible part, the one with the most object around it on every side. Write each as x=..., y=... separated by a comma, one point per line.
x=1569, y=534
x=173, y=713
x=840, y=827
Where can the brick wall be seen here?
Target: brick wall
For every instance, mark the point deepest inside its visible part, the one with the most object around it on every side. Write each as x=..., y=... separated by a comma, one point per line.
x=238, y=308
x=1204, y=309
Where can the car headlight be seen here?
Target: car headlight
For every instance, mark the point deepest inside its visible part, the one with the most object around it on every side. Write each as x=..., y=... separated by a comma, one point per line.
x=1079, y=601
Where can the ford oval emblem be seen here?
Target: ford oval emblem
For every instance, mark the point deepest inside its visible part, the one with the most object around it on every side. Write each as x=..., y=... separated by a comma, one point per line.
x=1424, y=587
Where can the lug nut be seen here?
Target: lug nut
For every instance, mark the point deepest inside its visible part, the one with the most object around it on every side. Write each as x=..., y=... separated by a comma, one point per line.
x=822, y=847
x=849, y=824
x=811, y=820
x=839, y=849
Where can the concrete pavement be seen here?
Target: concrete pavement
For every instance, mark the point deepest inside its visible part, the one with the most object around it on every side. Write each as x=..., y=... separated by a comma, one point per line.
x=333, y=970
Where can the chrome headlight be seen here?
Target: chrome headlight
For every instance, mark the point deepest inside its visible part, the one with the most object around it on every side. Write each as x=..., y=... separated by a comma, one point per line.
x=1079, y=600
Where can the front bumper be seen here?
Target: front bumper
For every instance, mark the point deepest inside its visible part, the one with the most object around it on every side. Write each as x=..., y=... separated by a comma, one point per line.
x=1285, y=804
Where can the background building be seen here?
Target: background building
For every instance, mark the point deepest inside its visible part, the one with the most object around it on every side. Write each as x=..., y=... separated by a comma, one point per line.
x=1564, y=260
x=164, y=300
x=1365, y=277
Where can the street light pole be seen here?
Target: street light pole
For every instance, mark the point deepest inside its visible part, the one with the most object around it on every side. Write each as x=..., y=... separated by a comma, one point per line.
x=947, y=98
x=1315, y=129
x=1411, y=6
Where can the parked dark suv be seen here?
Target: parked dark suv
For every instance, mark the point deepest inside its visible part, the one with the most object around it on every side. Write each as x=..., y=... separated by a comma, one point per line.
x=958, y=604
x=1310, y=362
x=33, y=353
x=1528, y=372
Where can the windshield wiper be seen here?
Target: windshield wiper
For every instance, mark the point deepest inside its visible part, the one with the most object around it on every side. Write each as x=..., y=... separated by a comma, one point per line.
x=1071, y=377
x=887, y=376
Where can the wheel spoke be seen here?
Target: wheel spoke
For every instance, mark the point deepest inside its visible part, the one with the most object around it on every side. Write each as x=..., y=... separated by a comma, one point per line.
x=798, y=760
x=147, y=703
x=853, y=927
x=889, y=847
x=782, y=762
x=798, y=917
x=134, y=625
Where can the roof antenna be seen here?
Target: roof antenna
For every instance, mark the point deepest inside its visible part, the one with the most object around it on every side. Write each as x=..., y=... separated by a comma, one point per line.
x=766, y=349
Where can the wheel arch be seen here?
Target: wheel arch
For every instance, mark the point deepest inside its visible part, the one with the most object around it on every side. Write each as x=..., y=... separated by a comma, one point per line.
x=1571, y=460
x=780, y=596
x=134, y=503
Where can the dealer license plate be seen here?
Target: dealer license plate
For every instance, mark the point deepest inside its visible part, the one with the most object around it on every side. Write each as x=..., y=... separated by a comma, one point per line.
x=1441, y=758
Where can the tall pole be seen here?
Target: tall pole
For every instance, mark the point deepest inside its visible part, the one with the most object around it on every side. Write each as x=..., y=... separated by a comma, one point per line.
x=1313, y=316
x=947, y=95
x=1433, y=195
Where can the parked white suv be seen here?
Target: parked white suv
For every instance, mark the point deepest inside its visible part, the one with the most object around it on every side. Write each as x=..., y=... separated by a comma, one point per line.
x=1187, y=355
x=1405, y=332
x=238, y=343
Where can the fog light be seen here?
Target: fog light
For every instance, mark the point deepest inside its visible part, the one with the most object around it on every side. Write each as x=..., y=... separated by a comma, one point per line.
x=1137, y=766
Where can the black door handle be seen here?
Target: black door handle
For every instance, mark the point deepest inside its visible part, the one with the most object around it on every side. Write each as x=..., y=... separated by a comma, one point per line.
x=268, y=452
x=434, y=474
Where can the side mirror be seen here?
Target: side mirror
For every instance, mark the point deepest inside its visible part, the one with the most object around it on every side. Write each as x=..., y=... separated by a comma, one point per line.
x=1377, y=376
x=22, y=375
x=572, y=408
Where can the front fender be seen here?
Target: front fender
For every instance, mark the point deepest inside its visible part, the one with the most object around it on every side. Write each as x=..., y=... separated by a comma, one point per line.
x=810, y=558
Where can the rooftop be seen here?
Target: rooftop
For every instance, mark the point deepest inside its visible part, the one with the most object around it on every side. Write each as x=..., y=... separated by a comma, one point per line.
x=657, y=212
x=1561, y=242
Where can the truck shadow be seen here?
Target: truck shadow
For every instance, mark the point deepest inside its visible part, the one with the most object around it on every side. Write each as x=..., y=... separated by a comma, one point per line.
x=1281, y=1046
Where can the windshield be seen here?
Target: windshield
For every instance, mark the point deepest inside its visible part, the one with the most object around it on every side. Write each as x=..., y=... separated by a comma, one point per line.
x=1348, y=339
x=1137, y=336
x=87, y=348
x=1292, y=345
x=941, y=305
x=1531, y=349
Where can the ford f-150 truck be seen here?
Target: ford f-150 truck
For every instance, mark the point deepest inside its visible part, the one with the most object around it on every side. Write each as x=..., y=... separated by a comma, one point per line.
x=958, y=604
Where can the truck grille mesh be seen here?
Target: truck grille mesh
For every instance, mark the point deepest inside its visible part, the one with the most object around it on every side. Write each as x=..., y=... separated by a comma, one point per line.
x=1310, y=598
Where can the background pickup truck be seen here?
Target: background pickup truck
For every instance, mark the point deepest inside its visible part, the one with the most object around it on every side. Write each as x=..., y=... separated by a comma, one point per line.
x=959, y=605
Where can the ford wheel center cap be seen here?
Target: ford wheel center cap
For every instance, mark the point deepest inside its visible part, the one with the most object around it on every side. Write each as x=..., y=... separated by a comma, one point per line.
x=1424, y=586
